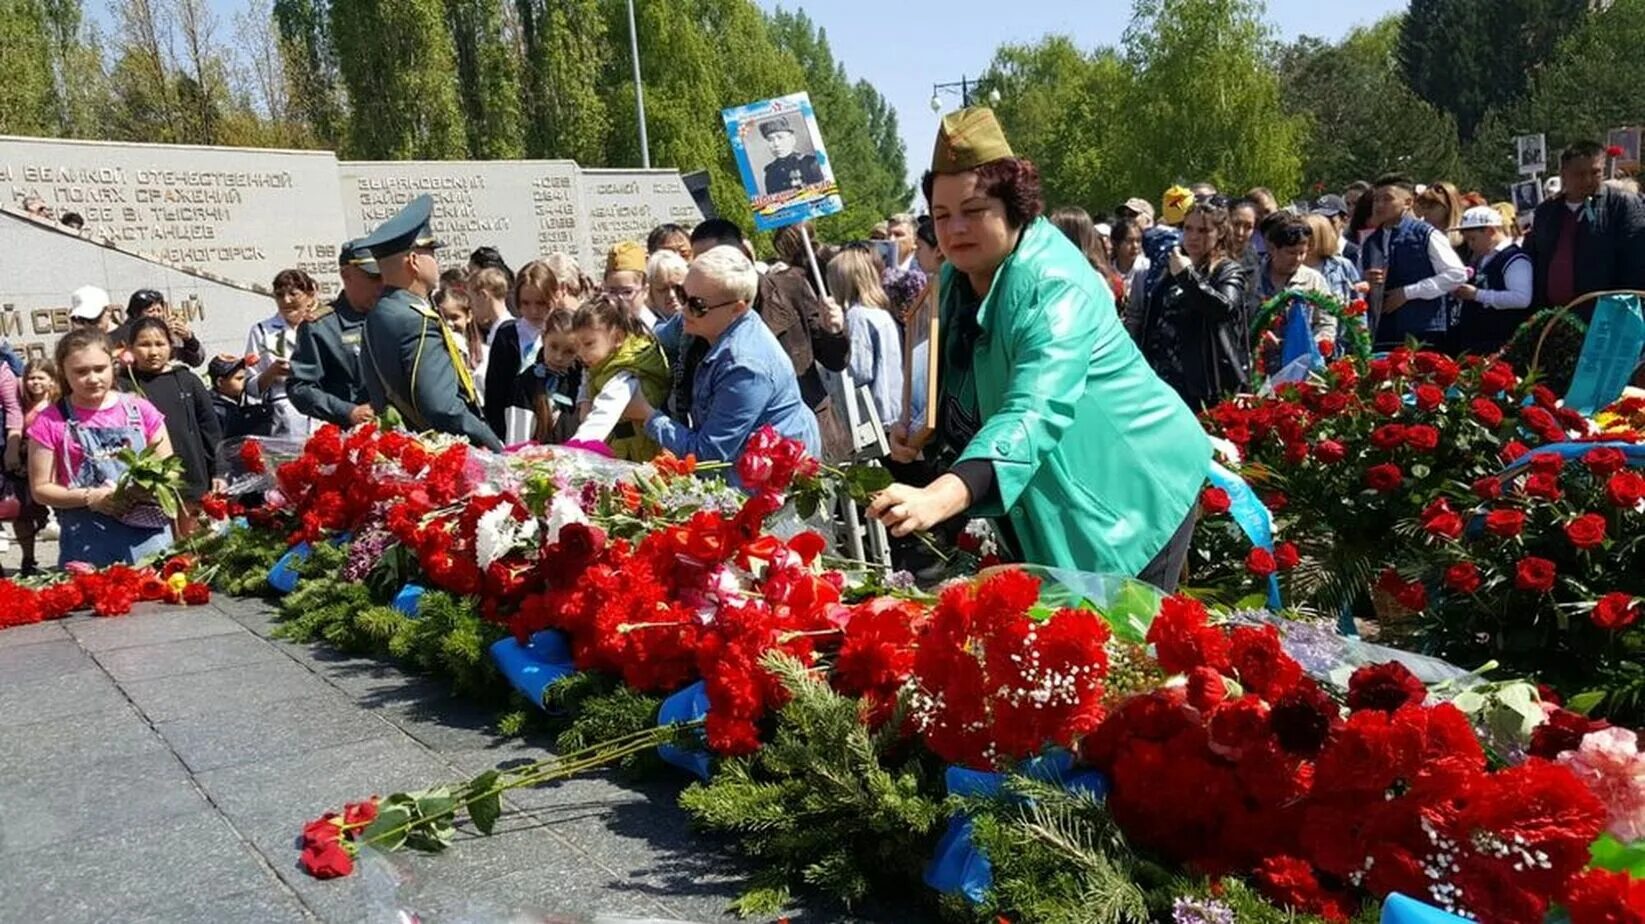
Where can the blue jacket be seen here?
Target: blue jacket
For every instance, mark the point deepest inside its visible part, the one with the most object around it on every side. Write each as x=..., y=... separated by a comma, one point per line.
x=744, y=382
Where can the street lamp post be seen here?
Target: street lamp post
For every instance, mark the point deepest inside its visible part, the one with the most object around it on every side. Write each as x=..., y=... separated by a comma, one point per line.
x=963, y=86
x=639, y=88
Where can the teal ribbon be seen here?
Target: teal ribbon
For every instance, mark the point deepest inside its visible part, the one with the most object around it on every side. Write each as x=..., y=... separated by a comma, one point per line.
x=1610, y=353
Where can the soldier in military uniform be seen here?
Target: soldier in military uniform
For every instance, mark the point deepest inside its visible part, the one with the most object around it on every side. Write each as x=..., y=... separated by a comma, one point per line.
x=787, y=170
x=326, y=381
x=410, y=357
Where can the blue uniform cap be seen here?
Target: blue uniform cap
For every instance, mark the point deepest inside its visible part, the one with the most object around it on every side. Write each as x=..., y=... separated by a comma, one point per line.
x=352, y=254
x=407, y=230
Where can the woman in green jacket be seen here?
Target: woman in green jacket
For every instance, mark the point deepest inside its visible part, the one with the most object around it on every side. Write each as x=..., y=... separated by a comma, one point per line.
x=1050, y=421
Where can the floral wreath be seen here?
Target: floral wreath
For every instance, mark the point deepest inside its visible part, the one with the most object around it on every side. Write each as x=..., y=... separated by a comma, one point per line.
x=1268, y=327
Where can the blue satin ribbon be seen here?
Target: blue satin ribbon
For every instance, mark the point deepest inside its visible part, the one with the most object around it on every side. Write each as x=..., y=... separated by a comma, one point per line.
x=687, y=705
x=1610, y=353
x=958, y=867
x=283, y=576
x=1299, y=337
x=1251, y=516
x=1402, y=909
x=409, y=599
x=530, y=668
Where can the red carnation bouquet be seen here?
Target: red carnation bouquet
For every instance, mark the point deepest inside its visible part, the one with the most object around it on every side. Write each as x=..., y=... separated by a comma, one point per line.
x=1248, y=766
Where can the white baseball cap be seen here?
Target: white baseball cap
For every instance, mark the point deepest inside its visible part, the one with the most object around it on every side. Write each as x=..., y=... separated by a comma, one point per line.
x=88, y=303
x=1480, y=216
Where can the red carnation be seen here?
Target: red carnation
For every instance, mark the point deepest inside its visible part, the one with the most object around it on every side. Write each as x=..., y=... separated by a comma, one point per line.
x=1260, y=661
x=1291, y=883
x=1387, y=403
x=1586, y=531
x=1385, y=686
x=1429, y=397
x=1214, y=501
x=1384, y=478
x=1605, y=461
x=251, y=456
x=1615, y=611
x=1462, y=577
x=1505, y=522
x=1563, y=731
x=1260, y=562
x=1534, y=575
x=1422, y=437
x=1599, y=896
x=1286, y=556
x=1302, y=718
x=1624, y=489
x=1486, y=412
x=196, y=594
x=1329, y=451
x=1206, y=688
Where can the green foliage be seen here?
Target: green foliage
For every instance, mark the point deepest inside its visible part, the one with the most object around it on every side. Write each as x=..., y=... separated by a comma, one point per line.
x=309, y=61
x=488, y=78
x=1556, y=356
x=397, y=62
x=829, y=805
x=1592, y=83
x=237, y=561
x=26, y=95
x=1361, y=118
x=566, y=50
x=1467, y=57
x=591, y=708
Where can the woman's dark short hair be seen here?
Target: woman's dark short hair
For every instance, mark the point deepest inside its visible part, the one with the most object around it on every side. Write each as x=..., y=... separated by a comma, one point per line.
x=1123, y=230
x=926, y=230
x=294, y=279
x=661, y=235
x=1014, y=181
x=1283, y=229
x=148, y=322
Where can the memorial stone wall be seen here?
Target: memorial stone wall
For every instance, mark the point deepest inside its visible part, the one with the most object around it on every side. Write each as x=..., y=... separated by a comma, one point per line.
x=211, y=226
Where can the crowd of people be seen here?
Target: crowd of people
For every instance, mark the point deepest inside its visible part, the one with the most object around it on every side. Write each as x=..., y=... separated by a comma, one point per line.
x=1071, y=350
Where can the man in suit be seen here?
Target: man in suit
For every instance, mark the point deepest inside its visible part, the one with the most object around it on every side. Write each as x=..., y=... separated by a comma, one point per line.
x=412, y=362
x=787, y=169
x=326, y=381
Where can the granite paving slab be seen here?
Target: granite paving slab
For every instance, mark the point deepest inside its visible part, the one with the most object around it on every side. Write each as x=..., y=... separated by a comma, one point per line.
x=187, y=656
x=140, y=628
x=272, y=681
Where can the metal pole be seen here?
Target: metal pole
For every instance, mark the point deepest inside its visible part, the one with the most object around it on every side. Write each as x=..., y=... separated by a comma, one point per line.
x=639, y=89
x=965, y=92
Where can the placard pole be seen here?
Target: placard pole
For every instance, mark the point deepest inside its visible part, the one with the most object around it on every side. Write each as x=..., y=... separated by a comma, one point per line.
x=811, y=255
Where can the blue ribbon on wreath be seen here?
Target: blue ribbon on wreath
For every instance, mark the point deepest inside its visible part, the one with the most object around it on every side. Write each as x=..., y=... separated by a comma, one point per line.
x=532, y=667
x=959, y=867
x=1402, y=909
x=409, y=599
x=1610, y=353
x=1252, y=517
x=283, y=575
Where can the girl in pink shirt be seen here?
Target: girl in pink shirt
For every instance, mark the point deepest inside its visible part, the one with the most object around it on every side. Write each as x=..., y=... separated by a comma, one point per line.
x=72, y=458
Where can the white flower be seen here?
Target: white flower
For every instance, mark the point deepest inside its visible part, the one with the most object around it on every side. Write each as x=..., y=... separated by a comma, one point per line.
x=496, y=533
x=563, y=511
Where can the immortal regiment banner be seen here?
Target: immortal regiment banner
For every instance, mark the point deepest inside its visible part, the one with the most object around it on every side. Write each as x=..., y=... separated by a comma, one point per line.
x=784, y=166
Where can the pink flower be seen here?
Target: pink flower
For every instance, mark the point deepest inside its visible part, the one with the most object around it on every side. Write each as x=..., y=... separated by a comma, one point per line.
x=1609, y=763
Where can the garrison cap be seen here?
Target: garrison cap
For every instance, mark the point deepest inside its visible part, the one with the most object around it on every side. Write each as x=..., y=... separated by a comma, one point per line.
x=774, y=125
x=967, y=139
x=353, y=254
x=406, y=230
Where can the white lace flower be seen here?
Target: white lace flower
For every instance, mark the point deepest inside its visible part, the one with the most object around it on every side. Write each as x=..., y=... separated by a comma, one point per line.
x=563, y=511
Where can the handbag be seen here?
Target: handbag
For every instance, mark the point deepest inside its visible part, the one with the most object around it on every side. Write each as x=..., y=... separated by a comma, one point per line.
x=11, y=502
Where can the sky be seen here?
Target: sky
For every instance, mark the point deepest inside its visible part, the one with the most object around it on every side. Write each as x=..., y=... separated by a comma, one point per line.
x=903, y=47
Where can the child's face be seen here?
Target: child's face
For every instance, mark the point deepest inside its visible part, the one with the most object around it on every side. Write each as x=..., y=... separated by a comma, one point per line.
x=559, y=350
x=151, y=350
x=533, y=304
x=90, y=374
x=233, y=385
x=456, y=316
x=38, y=384
x=595, y=343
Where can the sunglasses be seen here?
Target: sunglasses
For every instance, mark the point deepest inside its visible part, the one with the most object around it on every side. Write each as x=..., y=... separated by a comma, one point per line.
x=1290, y=237
x=698, y=306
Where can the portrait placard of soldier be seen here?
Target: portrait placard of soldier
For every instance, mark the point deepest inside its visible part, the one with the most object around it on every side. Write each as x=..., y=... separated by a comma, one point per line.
x=783, y=163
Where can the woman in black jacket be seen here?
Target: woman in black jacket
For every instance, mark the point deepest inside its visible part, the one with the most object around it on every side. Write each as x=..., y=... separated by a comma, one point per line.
x=184, y=400
x=1194, y=331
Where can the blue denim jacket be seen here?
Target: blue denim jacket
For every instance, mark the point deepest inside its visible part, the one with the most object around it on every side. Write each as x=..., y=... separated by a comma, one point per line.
x=745, y=382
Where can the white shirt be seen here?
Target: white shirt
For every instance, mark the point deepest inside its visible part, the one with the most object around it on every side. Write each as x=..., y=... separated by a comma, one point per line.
x=607, y=409
x=272, y=339
x=1517, y=277
x=1448, y=269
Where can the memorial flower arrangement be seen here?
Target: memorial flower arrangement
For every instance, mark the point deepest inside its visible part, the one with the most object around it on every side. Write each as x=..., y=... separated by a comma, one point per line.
x=111, y=591
x=1268, y=328
x=833, y=713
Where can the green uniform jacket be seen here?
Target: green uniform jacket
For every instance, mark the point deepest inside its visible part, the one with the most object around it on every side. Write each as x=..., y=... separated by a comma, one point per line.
x=1096, y=460
x=409, y=368
x=326, y=382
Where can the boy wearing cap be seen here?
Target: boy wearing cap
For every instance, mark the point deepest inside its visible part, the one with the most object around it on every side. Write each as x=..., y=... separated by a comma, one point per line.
x=235, y=416
x=787, y=169
x=327, y=382
x=1498, y=299
x=410, y=357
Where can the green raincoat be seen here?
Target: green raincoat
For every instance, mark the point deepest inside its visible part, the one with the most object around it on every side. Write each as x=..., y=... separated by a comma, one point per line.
x=1096, y=460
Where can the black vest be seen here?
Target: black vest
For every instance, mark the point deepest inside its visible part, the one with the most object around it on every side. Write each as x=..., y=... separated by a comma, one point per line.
x=1485, y=329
